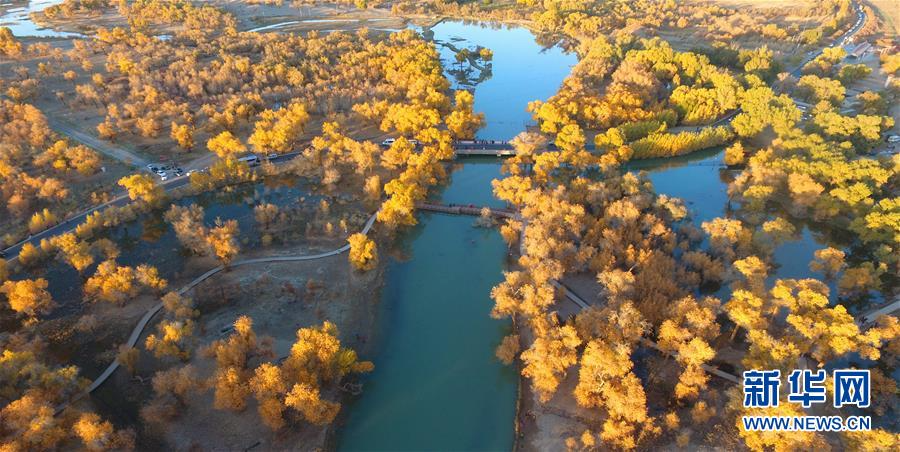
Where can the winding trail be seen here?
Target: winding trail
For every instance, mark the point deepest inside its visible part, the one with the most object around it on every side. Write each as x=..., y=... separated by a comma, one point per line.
x=148, y=316
x=474, y=148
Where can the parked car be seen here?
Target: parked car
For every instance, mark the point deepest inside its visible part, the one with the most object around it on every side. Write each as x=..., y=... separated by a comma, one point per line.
x=164, y=177
x=893, y=139
x=250, y=160
x=271, y=156
x=153, y=167
x=178, y=172
x=388, y=141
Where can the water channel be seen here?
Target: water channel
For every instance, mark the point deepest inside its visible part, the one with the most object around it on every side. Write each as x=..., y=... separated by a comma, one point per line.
x=436, y=383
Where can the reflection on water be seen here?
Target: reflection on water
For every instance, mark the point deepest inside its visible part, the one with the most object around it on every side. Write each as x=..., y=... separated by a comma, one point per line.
x=521, y=71
x=150, y=239
x=16, y=16
x=701, y=180
x=695, y=178
x=316, y=21
x=437, y=384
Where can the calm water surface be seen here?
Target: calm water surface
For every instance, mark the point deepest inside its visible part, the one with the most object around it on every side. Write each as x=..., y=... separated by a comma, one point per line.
x=701, y=182
x=437, y=384
x=151, y=240
x=521, y=71
x=15, y=15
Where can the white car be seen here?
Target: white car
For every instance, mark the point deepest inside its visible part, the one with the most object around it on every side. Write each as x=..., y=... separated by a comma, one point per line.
x=893, y=139
x=164, y=177
x=388, y=141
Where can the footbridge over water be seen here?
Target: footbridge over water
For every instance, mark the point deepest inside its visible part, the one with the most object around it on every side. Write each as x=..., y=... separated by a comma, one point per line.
x=493, y=148
x=467, y=209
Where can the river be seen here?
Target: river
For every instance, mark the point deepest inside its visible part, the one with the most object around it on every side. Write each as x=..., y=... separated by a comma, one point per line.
x=436, y=383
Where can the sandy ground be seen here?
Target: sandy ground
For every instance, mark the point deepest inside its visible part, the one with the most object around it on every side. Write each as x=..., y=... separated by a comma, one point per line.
x=873, y=82
x=889, y=11
x=305, y=18
x=275, y=296
x=755, y=3
x=85, y=118
x=83, y=23
x=545, y=426
x=80, y=187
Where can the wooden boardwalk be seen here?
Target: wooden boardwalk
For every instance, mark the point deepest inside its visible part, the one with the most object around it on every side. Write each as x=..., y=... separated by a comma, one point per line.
x=487, y=152
x=148, y=316
x=470, y=210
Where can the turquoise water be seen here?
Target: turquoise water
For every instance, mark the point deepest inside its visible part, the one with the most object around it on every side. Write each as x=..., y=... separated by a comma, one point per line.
x=437, y=384
x=700, y=180
x=521, y=71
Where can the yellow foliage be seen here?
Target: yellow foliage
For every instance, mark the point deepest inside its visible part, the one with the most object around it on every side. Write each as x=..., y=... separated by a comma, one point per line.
x=28, y=297
x=306, y=399
x=226, y=145
x=143, y=187
x=363, y=252
x=508, y=349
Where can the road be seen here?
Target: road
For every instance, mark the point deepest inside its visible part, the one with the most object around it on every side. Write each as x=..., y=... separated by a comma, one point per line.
x=129, y=157
x=861, y=19
x=68, y=225
x=104, y=147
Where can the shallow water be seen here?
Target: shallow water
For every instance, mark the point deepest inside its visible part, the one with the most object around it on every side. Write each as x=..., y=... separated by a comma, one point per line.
x=521, y=71
x=701, y=181
x=278, y=25
x=151, y=240
x=17, y=18
x=437, y=384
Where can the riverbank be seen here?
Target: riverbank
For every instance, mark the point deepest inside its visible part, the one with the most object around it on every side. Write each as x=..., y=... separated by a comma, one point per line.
x=437, y=383
x=280, y=297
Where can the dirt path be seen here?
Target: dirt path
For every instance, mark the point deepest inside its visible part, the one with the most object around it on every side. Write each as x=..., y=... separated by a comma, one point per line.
x=104, y=147
x=145, y=320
